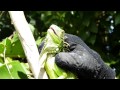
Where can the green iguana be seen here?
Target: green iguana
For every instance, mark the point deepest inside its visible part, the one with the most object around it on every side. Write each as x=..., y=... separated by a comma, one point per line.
x=53, y=44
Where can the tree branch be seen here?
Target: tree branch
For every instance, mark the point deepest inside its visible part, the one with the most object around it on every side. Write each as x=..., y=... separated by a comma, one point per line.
x=27, y=40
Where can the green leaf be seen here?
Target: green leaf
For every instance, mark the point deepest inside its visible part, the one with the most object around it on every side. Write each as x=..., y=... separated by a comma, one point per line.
x=15, y=37
x=91, y=39
x=86, y=21
x=16, y=71
x=117, y=19
x=84, y=34
x=16, y=47
x=32, y=28
x=39, y=40
x=1, y=48
x=93, y=28
x=27, y=70
x=13, y=47
x=1, y=61
x=7, y=44
x=17, y=50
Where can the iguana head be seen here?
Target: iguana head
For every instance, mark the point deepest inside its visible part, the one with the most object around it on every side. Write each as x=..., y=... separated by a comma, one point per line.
x=55, y=34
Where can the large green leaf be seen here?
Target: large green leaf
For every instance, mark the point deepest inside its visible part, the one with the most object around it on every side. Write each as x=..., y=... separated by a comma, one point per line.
x=17, y=50
x=16, y=71
x=13, y=47
x=16, y=47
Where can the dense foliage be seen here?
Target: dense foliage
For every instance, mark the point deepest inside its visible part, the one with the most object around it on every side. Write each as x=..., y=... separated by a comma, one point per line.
x=99, y=29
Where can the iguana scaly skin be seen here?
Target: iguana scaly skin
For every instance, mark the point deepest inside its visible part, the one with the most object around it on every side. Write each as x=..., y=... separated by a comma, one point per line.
x=53, y=44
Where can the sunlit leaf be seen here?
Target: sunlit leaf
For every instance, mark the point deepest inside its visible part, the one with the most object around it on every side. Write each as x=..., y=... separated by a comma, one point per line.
x=17, y=50
x=7, y=44
x=27, y=70
x=1, y=48
x=32, y=28
x=16, y=47
x=16, y=71
x=1, y=61
x=39, y=40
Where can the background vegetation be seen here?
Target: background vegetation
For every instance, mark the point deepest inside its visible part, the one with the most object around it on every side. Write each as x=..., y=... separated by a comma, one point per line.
x=99, y=29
